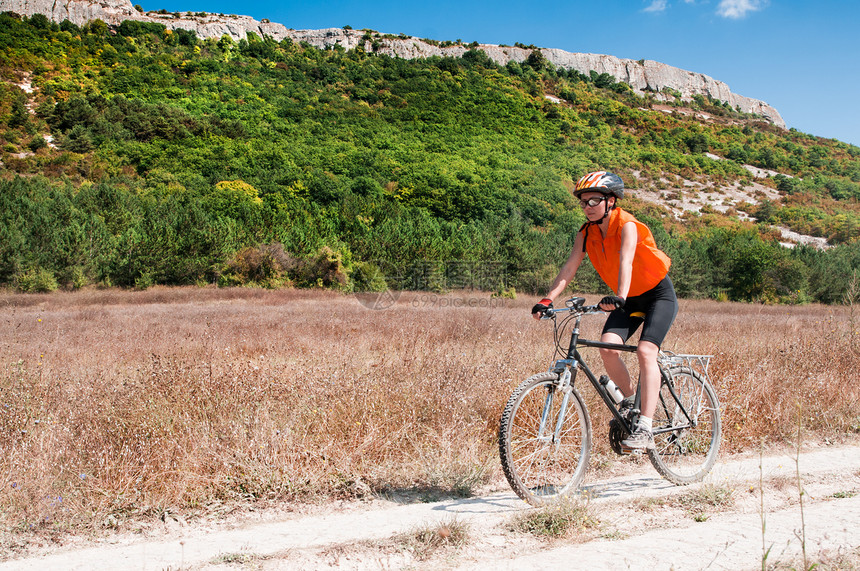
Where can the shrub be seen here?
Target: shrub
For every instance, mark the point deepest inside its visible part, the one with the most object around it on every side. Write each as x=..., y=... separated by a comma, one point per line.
x=144, y=281
x=36, y=143
x=506, y=293
x=37, y=280
x=368, y=277
x=78, y=278
x=325, y=269
x=265, y=265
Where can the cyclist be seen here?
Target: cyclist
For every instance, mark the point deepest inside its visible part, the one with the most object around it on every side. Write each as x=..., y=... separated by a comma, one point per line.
x=623, y=251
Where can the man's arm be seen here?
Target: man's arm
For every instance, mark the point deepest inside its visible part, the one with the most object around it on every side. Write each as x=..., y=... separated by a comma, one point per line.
x=629, y=238
x=568, y=270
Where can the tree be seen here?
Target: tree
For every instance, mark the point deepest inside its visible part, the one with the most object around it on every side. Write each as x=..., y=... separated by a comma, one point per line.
x=602, y=80
x=478, y=57
x=68, y=26
x=36, y=143
x=40, y=21
x=697, y=143
x=537, y=61
x=77, y=140
x=787, y=185
x=20, y=115
x=185, y=37
x=134, y=28
x=765, y=211
x=96, y=28
x=740, y=259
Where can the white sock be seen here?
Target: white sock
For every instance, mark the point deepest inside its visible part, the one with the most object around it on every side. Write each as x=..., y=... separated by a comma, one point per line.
x=646, y=422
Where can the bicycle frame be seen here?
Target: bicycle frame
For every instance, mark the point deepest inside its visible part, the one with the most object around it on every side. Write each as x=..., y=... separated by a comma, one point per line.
x=567, y=368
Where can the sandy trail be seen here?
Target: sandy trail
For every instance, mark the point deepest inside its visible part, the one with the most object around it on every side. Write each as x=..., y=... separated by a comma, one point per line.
x=359, y=536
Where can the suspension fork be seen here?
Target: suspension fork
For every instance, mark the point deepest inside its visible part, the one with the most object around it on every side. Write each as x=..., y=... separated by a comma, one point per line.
x=563, y=386
x=567, y=369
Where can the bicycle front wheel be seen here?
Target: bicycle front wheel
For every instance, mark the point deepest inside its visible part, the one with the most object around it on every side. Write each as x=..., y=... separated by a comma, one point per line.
x=687, y=430
x=544, y=440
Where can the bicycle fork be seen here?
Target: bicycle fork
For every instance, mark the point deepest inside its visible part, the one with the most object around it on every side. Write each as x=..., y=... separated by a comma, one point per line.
x=563, y=386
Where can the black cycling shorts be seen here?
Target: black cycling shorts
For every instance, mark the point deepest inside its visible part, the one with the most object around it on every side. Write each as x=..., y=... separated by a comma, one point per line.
x=656, y=308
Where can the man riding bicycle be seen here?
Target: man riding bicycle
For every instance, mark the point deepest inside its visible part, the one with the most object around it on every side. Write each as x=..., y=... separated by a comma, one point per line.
x=623, y=251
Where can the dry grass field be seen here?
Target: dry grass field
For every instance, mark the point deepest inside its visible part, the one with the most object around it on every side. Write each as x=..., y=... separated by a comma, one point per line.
x=118, y=405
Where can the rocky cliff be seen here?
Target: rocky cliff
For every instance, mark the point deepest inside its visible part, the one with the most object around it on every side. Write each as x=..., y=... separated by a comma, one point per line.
x=642, y=75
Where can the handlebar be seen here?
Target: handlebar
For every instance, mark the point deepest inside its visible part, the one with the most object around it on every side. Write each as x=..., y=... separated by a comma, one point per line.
x=573, y=305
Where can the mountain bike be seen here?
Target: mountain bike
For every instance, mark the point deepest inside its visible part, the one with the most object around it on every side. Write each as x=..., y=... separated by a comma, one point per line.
x=545, y=431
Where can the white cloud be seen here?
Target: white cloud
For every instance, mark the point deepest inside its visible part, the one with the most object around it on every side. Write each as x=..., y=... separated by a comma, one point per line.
x=737, y=9
x=656, y=6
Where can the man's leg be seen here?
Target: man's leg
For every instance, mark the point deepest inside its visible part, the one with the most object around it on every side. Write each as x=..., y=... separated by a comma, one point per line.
x=649, y=388
x=649, y=377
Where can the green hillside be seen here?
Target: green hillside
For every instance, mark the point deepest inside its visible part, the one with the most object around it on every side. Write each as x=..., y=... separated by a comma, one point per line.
x=148, y=157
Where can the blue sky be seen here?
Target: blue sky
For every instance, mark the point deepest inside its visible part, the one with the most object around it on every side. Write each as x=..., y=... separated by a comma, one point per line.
x=801, y=56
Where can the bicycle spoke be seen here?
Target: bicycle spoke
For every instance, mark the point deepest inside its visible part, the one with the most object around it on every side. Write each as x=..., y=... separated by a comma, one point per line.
x=526, y=470
x=520, y=444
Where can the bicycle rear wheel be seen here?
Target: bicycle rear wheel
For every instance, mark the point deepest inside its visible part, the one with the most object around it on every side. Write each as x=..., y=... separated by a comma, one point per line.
x=544, y=463
x=685, y=449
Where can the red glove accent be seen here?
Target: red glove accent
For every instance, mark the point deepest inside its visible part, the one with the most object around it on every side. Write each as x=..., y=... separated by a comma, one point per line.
x=541, y=306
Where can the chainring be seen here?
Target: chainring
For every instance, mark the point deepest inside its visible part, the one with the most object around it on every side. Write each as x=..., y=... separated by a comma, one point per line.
x=616, y=435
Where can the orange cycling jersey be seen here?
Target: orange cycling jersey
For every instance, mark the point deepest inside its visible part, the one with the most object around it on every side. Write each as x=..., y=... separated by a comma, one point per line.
x=650, y=264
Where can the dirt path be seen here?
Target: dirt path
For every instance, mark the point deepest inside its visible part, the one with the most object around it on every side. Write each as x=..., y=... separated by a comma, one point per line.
x=675, y=528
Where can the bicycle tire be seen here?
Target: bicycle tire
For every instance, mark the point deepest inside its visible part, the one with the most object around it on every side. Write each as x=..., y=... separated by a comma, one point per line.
x=687, y=455
x=542, y=472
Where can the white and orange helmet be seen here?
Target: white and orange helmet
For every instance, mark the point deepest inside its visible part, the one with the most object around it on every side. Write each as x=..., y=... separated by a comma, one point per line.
x=600, y=181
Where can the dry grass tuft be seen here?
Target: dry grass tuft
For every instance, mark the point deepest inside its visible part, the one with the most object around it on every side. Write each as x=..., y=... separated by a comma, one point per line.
x=556, y=521
x=843, y=559
x=707, y=496
x=425, y=541
x=700, y=502
x=117, y=405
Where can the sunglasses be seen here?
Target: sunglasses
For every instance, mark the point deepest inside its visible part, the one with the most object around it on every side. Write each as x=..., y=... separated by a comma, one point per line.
x=593, y=201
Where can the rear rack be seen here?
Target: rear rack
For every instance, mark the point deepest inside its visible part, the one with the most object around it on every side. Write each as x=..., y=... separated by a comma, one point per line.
x=697, y=363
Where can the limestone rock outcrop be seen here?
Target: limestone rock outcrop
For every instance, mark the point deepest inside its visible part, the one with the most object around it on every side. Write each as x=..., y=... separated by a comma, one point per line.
x=110, y=11
x=642, y=76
